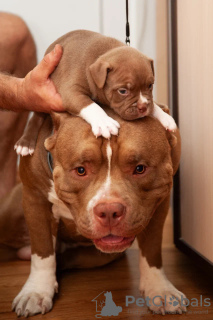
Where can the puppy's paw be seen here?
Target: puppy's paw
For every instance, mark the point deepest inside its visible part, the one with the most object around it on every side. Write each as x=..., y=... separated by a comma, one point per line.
x=168, y=122
x=165, y=119
x=101, y=123
x=25, y=146
x=23, y=151
x=105, y=127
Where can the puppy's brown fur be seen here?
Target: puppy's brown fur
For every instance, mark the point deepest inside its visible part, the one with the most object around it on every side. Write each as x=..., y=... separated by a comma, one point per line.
x=94, y=67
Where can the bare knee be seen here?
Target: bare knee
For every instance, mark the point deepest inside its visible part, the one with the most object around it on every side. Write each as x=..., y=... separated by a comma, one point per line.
x=18, y=51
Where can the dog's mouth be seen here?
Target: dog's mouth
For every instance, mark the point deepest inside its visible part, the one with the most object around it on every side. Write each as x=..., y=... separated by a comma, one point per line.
x=113, y=243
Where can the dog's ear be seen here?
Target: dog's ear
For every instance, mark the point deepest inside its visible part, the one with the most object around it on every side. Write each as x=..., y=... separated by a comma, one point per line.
x=152, y=66
x=49, y=143
x=99, y=70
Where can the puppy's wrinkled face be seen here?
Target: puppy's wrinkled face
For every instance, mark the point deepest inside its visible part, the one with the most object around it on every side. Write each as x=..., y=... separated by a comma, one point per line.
x=127, y=83
x=111, y=187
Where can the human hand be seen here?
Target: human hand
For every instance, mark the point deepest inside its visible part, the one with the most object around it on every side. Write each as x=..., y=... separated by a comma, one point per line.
x=37, y=92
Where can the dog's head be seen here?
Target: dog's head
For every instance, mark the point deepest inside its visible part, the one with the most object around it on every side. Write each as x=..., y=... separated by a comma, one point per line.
x=111, y=187
x=125, y=78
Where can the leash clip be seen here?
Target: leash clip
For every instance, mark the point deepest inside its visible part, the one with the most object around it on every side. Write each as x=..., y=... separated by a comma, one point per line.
x=128, y=41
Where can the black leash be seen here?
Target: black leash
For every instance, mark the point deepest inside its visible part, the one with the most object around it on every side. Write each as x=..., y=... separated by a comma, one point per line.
x=50, y=161
x=127, y=24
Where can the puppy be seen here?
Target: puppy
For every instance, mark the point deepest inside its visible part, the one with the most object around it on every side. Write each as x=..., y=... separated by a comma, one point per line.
x=98, y=69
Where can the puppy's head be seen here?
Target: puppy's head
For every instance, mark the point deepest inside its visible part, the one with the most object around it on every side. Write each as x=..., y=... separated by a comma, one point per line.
x=124, y=77
x=111, y=187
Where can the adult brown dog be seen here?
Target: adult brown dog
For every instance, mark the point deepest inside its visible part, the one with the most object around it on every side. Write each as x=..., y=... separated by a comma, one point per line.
x=102, y=193
x=98, y=69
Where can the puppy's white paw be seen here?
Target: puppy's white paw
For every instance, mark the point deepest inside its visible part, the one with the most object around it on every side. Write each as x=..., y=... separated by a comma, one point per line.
x=23, y=151
x=105, y=127
x=165, y=119
x=101, y=123
x=168, y=122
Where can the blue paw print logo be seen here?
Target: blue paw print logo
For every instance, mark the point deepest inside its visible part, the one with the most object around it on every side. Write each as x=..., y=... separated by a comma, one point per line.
x=173, y=301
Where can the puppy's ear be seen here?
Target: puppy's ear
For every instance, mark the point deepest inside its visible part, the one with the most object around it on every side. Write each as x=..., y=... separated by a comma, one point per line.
x=152, y=66
x=99, y=70
x=49, y=143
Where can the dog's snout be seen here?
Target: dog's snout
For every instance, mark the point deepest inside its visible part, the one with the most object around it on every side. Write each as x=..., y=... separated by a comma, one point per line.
x=109, y=214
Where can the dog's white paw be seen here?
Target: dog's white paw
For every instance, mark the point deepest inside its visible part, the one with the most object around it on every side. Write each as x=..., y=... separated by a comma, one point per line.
x=165, y=299
x=37, y=294
x=101, y=123
x=29, y=304
x=23, y=151
x=160, y=294
x=165, y=119
x=34, y=298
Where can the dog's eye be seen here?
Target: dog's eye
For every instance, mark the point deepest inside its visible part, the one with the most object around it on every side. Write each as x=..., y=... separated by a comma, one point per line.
x=150, y=86
x=140, y=169
x=81, y=171
x=123, y=91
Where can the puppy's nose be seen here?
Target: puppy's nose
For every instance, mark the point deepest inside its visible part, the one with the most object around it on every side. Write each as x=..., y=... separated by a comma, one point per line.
x=142, y=106
x=109, y=214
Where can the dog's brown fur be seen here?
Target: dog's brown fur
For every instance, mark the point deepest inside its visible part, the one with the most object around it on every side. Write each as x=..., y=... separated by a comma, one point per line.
x=18, y=57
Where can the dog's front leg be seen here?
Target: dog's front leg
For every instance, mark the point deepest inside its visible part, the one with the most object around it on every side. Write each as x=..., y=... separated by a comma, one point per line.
x=160, y=294
x=37, y=293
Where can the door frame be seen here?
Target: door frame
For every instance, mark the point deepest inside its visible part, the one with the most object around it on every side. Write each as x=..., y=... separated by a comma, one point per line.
x=182, y=245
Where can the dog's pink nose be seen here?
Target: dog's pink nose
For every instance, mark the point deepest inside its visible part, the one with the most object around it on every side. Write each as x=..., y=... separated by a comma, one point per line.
x=109, y=214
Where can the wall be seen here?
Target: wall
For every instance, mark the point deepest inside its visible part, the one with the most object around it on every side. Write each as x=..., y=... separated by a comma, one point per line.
x=49, y=19
x=195, y=83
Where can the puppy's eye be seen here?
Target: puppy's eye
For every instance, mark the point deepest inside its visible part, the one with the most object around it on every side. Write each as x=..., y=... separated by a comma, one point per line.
x=150, y=86
x=81, y=171
x=123, y=91
x=140, y=169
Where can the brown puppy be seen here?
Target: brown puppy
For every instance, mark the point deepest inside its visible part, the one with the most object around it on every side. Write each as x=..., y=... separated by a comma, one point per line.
x=103, y=193
x=98, y=69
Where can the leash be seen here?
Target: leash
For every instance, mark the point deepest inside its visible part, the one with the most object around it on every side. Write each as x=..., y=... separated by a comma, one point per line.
x=50, y=161
x=127, y=24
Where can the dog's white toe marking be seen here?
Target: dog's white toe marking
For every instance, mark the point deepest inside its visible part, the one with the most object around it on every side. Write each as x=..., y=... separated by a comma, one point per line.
x=165, y=119
x=37, y=293
x=101, y=123
x=160, y=293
